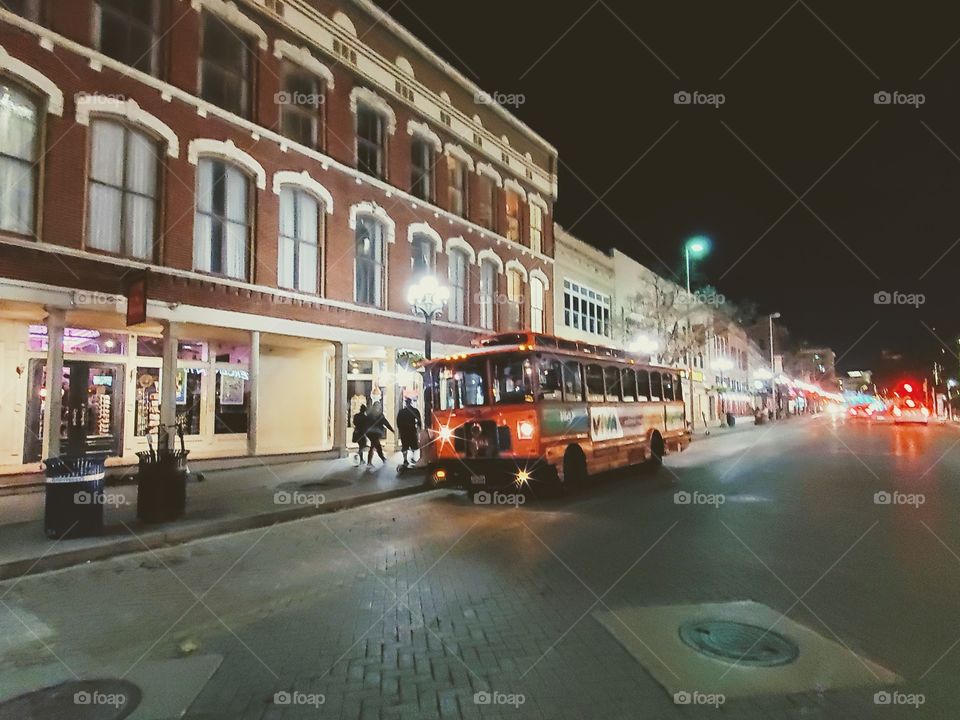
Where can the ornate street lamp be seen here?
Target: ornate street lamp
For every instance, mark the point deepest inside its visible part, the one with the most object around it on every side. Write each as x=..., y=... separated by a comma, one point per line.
x=695, y=247
x=427, y=297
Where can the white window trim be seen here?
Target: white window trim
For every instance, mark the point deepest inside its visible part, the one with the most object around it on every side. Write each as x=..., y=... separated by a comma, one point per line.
x=423, y=131
x=363, y=96
x=302, y=56
x=535, y=198
x=228, y=11
x=459, y=153
x=458, y=243
x=514, y=186
x=35, y=79
x=488, y=170
x=129, y=110
x=490, y=255
x=303, y=181
x=423, y=228
x=516, y=265
x=371, y=208
x=538, y=274
x=227, y=151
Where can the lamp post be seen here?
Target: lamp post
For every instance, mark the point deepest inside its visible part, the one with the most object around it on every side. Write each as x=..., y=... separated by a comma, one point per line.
x=695, y=247
x=773, y=367
x=427, y=298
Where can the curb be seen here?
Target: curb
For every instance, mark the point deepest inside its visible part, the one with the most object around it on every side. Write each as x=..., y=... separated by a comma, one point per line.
x=153, y=539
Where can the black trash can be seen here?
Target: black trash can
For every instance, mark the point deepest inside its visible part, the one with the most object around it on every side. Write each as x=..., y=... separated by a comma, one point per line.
x=73, y=505
x=162, y=485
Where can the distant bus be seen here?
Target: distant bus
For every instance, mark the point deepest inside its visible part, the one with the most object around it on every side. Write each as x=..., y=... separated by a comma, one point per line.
x=526, y=408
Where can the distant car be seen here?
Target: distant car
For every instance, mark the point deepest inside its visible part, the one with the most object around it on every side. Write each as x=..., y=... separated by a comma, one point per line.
x=908, y=410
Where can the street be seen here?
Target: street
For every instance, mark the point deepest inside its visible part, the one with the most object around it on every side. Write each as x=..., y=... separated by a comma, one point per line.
x=407, y=608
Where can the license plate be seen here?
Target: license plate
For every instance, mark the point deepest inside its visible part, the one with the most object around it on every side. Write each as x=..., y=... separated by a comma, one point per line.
x=478, y=479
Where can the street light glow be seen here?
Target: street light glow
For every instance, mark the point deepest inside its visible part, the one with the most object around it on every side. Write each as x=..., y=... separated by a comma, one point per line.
x=698, y=246
x=644, y=345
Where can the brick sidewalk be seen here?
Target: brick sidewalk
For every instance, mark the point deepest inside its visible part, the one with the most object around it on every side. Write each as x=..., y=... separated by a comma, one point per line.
x=227, y=501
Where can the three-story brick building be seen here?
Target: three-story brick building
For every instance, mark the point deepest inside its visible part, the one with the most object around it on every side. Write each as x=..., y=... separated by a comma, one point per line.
x=281, y=171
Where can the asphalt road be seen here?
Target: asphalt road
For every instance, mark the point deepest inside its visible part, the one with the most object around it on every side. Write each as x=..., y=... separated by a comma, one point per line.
x=407, y=609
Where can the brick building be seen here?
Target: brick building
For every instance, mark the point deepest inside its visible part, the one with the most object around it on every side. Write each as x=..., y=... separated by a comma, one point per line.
x=284, y=170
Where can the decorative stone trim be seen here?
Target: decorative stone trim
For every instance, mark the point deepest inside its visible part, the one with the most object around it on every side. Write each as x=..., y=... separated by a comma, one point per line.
x=492, y=257
x=423, y=131
x=283, y=50
x=538, y=274
x=404, y=65
x=459, y=153
x=228, y=11
x=303, y=181
x=227, y=151
x=377, y=212
x=423, y=228
x=488, y=170
x=343, y=21
x=515, y=265
x=458, y=243
x=129, y=110
x=513, y=185
x=369, y=98
x=535, y=198
x=35, y=78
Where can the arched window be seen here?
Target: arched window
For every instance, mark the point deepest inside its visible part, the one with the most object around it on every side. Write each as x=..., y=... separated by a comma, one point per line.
x=19, y=150
x=370, y=243
x=423, y=251
x=488, y=292
x=537, y=314
x=301, y=227
x=515, y=281
x=124, y=190
x=223, y=225
x=458, y=264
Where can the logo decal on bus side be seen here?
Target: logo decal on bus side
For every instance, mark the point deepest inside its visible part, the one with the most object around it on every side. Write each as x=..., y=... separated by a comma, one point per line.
x=605, y=423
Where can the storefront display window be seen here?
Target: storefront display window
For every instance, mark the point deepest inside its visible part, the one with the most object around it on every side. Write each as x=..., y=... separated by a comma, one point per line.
x=192, y=350
x=189, y=387
x=233, y=401
x=79, y=340
x=146, y=417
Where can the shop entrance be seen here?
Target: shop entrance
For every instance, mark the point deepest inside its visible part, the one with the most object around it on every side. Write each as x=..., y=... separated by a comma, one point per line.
x=91, y=418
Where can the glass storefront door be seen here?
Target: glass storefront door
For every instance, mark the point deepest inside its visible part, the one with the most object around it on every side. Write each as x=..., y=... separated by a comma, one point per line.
x=91, y=419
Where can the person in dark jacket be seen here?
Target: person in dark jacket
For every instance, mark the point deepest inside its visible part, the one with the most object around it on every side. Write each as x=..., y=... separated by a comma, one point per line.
x=409, y=424
x=377, y=426
x=360, y=422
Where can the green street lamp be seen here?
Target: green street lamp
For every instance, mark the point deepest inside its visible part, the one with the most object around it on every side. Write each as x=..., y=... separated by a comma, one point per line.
x=696, y=247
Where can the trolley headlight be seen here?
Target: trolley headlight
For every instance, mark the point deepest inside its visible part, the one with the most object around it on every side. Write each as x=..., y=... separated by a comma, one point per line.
x=446, y=434
x=525, y=430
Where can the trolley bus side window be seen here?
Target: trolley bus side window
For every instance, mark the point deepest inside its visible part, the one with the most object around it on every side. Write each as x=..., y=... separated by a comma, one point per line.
x=572, y=382
x=549, y=379
x=611, y=374
x=643, y=385
x=629, y=383
x=678, y=389
x=656, y=386
x=512, y=379
x=594, y=377
x=667, y=386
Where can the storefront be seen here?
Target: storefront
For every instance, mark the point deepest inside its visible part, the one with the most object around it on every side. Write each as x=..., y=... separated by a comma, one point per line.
x=382, y=375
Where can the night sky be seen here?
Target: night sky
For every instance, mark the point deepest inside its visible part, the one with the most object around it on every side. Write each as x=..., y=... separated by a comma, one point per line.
x=799, y=82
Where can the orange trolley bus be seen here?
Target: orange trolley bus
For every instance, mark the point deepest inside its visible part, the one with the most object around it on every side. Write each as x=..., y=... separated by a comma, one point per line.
x=526, y=408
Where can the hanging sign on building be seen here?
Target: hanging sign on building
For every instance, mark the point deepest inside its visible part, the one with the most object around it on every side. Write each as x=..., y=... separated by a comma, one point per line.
x=137, y=298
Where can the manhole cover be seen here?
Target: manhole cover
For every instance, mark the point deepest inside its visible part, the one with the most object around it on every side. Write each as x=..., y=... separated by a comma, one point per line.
x=81, y=700
x=739, y=643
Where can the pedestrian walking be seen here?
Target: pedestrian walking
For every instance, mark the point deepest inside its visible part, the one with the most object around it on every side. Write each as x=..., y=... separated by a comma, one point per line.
x=360, y=423
x=409, y=424
x=377, y=426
